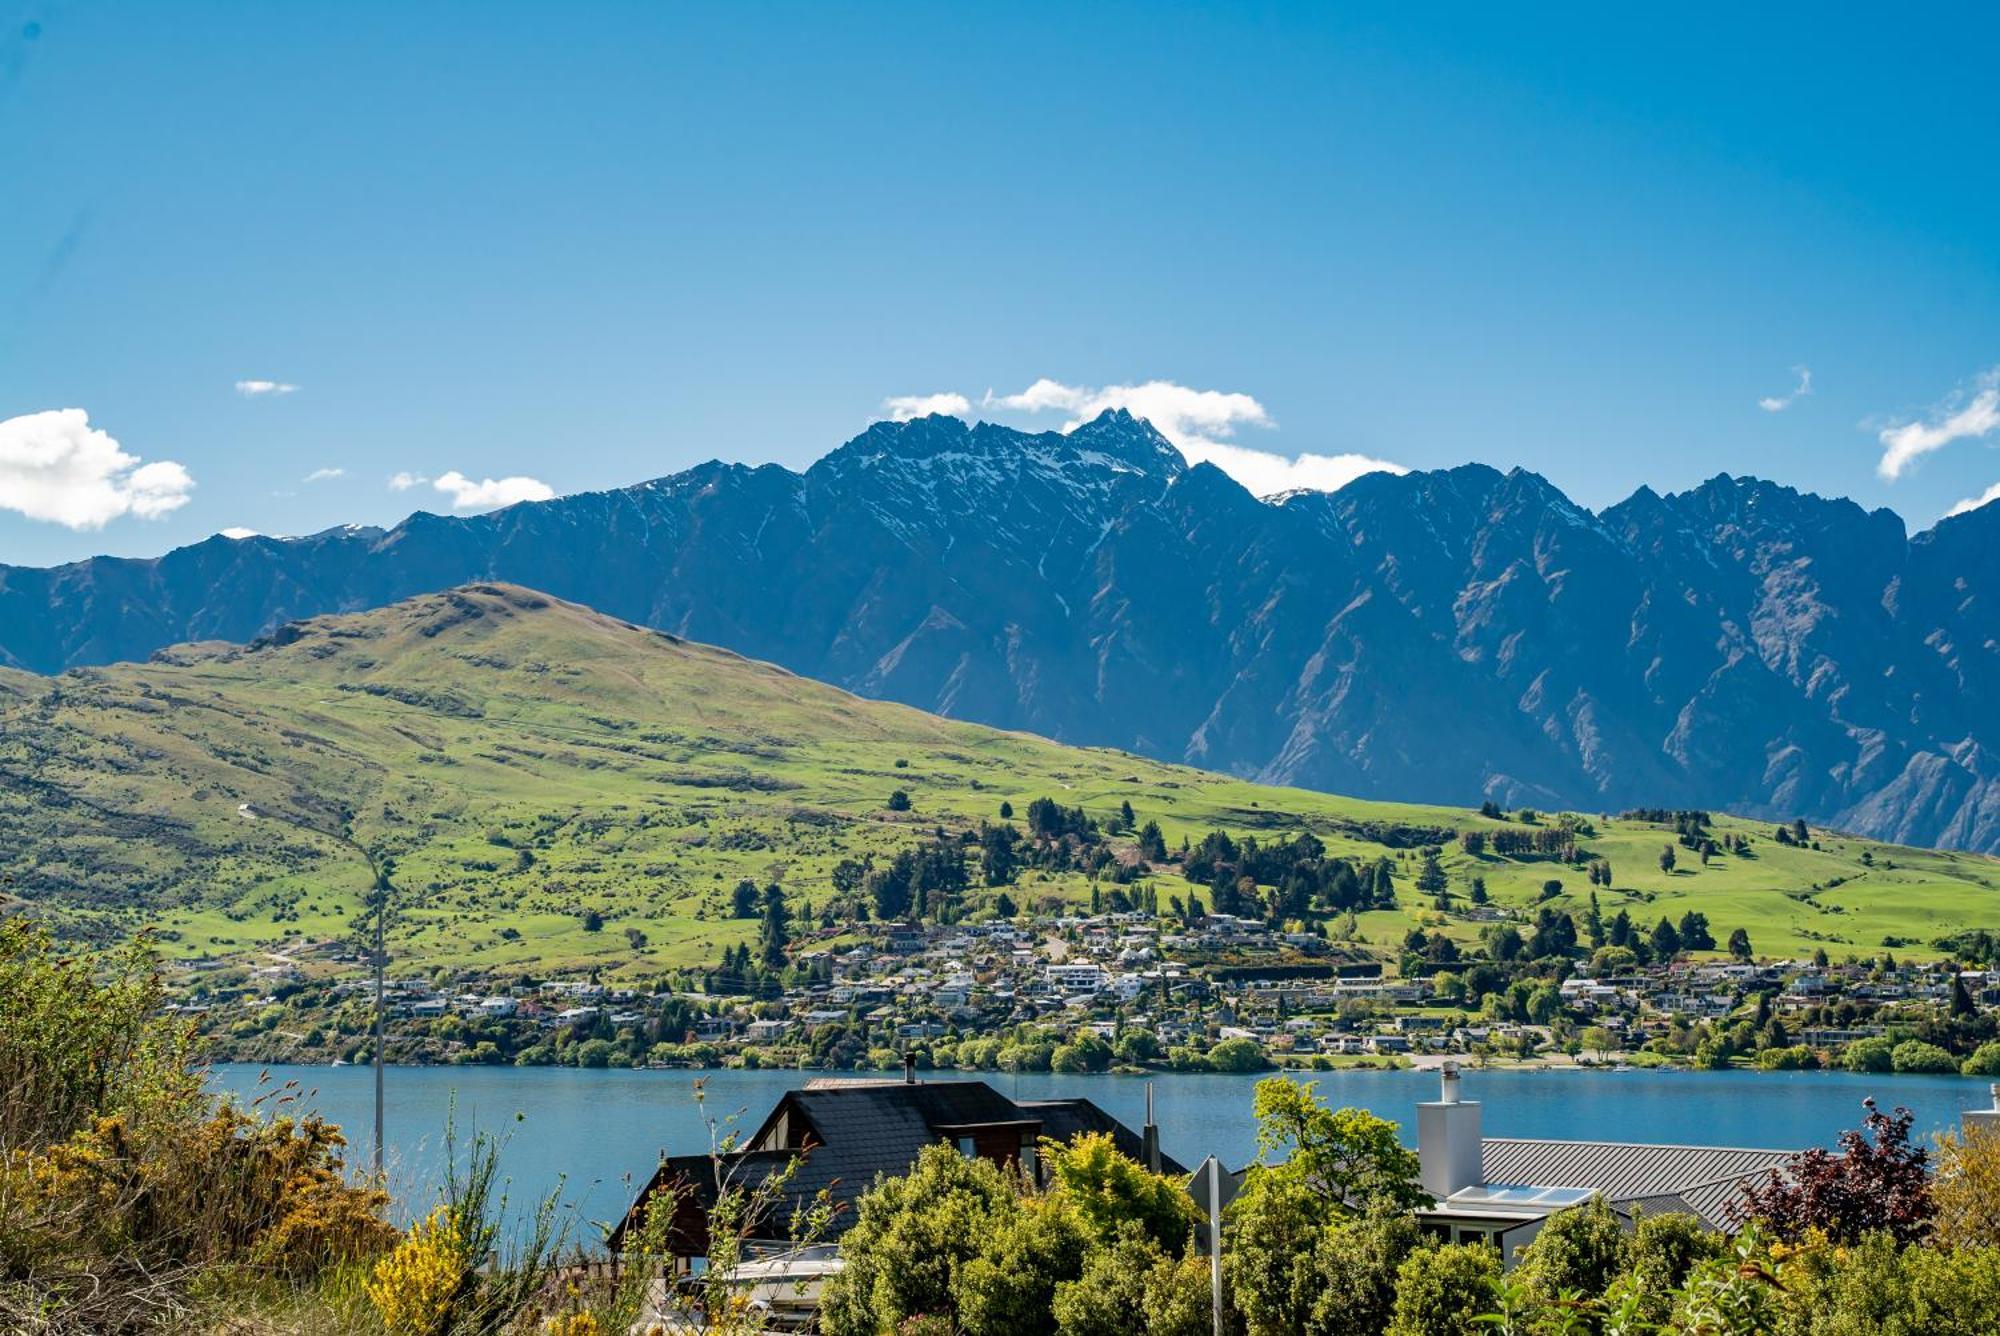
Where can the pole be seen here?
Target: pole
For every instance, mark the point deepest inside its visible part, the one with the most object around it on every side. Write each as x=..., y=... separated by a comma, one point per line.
x=381, y=956
x=1215, y=1240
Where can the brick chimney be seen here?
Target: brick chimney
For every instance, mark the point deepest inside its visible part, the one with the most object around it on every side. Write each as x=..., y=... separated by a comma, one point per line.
x=1449, y=1142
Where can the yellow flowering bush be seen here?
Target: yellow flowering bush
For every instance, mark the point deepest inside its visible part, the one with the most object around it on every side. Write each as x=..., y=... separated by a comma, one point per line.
x=415, y=1287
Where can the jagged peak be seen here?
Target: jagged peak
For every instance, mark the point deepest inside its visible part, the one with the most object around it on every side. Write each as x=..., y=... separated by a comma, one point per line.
x=1113, y=438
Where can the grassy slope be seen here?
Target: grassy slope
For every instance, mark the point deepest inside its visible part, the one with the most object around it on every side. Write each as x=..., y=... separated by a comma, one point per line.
x=221, y=793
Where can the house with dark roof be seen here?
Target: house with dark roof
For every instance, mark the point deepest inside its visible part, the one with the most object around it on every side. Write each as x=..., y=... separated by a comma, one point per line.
x=1499, y=1190
x=843, y=1134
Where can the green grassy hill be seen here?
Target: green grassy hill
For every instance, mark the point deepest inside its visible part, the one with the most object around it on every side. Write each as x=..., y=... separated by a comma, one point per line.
x=526, y=759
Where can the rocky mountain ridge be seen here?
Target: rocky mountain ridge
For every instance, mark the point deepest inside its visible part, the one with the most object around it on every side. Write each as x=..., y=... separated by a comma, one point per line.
x=1440, y=636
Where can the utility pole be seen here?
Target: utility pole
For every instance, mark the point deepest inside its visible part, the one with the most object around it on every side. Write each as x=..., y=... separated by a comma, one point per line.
x=1215, y=1240
x=381, y=960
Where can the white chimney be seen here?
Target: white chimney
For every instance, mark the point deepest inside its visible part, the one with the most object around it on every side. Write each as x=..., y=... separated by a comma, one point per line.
x=1448, y=1140
x=1988, y=1119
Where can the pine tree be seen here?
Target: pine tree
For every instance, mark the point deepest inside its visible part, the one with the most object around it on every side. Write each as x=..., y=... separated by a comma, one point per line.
x=1593, y=923
x=776, y=932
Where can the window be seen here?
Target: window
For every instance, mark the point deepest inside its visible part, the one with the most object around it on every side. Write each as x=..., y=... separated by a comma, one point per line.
x=967, y=1149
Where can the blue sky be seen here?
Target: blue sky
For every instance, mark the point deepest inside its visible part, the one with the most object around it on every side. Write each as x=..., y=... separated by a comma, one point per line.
x=586, y=245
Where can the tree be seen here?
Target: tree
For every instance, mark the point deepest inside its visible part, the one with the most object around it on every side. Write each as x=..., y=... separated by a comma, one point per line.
x=593, y=921
x=1694, y=932
x=1238, y=1055
x=1666, y=941
x=1478, y=894
x=1133, y=1288
x=1545, y=1004
x=1112, y=1193
x=1739, y=944
x=1292, y=1269
x=1599, y=1040
x=910, y=1238
x=1009, y=1289
x=1870, y=1055
x=1662, y=1251
x=1985, y=1060
x=776, y=933
x=1878, y=1181
x=1006, y=810
x=1348, y=1158
x=1152, y=844
x=1085, y=1053
x=1916, y=1056
x=1430, y=877
x=1441, y=1290
x=1579, y=1249
x=1667, y=858
x=1961, y=998
x=743, y=900
x=1127, y=818
x=999, y=859
x=899, y=801
x=1004, y=906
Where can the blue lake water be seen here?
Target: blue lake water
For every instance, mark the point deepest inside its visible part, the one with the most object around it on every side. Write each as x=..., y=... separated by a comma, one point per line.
x=595, y=1132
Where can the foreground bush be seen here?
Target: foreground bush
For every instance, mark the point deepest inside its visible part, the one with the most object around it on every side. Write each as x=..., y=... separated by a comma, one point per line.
x=125, y=1190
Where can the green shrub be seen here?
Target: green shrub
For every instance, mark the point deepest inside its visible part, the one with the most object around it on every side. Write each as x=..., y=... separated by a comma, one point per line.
x=1869, y=1055
x=1578, y=1248
x=1441, y=1290
x=1985, y=1060
x=1914, y=1055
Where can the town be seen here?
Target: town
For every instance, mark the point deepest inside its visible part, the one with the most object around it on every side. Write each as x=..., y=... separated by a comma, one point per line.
x=1092, y=992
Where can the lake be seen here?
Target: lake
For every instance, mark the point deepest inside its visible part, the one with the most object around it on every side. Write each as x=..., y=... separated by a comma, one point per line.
x=595, y=1132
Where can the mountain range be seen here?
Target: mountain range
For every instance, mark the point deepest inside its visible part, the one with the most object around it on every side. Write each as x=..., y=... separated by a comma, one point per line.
x=1443, y=636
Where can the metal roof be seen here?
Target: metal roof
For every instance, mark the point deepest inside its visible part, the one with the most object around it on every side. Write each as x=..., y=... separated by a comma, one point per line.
x=1703, y=1180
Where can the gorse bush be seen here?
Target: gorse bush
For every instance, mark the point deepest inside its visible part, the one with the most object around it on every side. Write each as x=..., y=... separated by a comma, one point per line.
x=124, y=1188
x=416, y=1286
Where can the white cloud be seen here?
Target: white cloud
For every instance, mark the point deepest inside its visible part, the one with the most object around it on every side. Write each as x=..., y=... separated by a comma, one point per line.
x=1201, y=424
x=251, y=389
x=903, y=407
x=1778, y=403
x=239, y=533
x=403, y=482
x=489, y=493
x=1971, y=503
x=1905, y=443
x=55, y=466
x=325, y=475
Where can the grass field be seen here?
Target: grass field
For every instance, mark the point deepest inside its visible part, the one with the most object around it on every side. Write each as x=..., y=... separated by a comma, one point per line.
x=525, y=759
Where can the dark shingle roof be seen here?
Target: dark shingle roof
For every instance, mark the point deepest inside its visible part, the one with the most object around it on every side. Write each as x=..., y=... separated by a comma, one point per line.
x=1068, y=1119
x=857, y=1130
